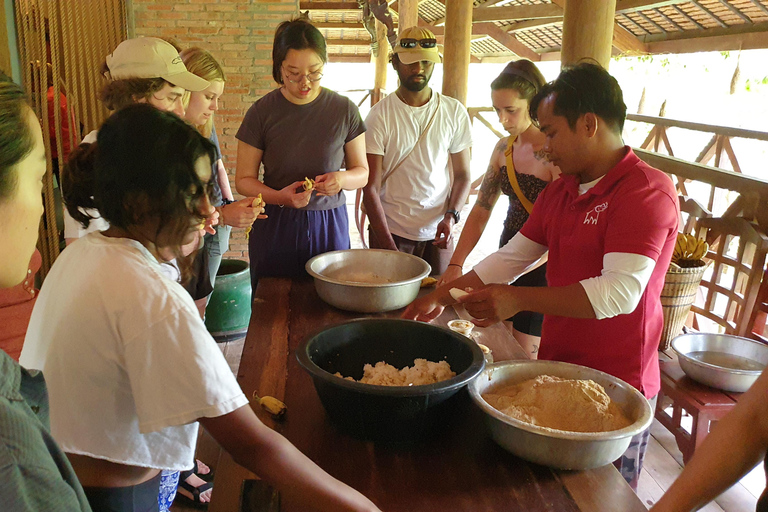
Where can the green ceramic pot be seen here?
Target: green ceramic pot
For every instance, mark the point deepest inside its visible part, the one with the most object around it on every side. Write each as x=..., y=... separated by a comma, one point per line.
x=229, y=311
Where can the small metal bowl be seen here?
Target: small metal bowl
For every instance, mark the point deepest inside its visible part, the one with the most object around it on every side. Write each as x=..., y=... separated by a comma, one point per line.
x=712, y=371
x=367, y=280
x=556, y=448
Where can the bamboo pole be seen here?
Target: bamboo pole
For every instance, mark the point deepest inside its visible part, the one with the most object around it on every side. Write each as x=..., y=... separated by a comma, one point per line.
x=382, y=60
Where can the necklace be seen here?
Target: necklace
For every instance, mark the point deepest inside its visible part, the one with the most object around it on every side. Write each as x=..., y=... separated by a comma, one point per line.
x=402, y=98
x=415, y=110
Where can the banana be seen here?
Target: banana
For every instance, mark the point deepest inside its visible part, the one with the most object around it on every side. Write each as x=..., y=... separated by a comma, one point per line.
x=271, y=404
x=309, y=183
x=258, y=202
x=428, y=281
x=691, y=246
x=701, y=250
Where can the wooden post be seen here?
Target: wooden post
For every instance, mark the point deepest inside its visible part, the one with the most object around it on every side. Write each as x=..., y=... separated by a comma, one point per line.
x=382, y=62
x=458, y=34
x=408, y=13
x=588, y=31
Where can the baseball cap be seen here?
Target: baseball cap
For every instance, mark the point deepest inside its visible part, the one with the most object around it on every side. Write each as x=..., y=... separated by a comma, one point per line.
x=416, y=52
x=150, y=57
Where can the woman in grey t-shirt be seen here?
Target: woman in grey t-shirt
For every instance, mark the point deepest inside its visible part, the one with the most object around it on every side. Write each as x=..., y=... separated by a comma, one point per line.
x=298, y=131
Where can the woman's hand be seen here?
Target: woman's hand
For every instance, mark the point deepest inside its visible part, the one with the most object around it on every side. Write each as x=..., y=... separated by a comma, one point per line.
x=294, y=195
x=240, y=214
x=329, y=184
x=451, y=273
x=424, y=309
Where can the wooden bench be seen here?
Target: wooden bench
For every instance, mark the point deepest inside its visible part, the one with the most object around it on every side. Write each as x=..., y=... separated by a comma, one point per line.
x=706, y=405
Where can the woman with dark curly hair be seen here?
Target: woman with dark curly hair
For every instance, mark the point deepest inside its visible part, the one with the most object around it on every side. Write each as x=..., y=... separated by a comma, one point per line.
x=110, y=331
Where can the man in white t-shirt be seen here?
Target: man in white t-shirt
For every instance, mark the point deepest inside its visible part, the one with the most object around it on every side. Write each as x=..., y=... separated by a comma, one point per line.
x=418, y=144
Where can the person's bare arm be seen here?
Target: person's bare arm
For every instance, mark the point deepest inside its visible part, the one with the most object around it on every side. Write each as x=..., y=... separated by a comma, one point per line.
x=487, y=196
x=273, y=458
x=429, y=307
x=736, y=444
x=458, y=197
x=372, y=201
x=223, y=177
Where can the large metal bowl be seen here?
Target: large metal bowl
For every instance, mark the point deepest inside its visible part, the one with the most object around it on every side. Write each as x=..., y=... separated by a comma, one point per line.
x=555, y=448
x=399, y=414
x=717, y=375
x=367, y=280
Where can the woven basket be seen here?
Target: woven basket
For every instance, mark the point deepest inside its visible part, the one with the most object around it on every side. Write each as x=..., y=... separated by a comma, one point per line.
x=677, y=296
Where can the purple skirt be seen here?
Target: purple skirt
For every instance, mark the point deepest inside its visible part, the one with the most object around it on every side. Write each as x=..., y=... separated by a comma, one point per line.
x=281, y=245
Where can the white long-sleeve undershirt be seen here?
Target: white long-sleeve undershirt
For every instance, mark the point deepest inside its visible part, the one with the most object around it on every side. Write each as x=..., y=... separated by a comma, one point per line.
x=616, y=291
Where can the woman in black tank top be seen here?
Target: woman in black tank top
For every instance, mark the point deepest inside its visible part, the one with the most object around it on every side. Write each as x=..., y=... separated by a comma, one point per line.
x=518, y=162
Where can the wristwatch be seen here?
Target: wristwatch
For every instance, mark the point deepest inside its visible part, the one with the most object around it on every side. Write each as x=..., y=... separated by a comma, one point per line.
x=456, y=215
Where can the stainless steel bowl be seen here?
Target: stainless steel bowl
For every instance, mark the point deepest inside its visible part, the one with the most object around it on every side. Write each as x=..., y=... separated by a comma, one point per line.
x=554, y=448
x=367, y=280
x=717, y=376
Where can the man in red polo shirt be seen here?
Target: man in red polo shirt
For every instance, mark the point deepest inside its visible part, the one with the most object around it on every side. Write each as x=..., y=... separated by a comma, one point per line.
x=609, y=224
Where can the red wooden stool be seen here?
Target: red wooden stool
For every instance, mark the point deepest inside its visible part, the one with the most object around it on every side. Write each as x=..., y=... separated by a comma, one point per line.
x=704, y=404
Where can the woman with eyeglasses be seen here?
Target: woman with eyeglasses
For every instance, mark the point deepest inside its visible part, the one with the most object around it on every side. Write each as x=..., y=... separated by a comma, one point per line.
x=300, y=130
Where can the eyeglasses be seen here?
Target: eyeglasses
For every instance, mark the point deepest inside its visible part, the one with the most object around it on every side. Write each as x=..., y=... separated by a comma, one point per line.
x=295, y=78
x=424, y=43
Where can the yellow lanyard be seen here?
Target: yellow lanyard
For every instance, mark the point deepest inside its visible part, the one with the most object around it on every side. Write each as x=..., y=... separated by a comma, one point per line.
x=513, y=177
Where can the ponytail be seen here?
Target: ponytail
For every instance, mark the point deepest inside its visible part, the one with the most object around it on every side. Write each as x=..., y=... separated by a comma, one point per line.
x=78, y=182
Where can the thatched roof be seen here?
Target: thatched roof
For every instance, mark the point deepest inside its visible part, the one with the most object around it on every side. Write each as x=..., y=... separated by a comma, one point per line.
x=504, y=29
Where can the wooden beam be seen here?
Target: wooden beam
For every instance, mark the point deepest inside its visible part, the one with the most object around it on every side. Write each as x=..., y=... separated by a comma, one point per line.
x=745, y=37
x=332, y=24
x=348, y=42
x=528, y=24
x=334, y=57
x=625, y=6
x=522, y=12
x=626, y=42
x=507, y=40
x=309, y=5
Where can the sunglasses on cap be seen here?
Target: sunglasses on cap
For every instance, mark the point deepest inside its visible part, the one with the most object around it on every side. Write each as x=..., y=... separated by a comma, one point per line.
x=424, y=43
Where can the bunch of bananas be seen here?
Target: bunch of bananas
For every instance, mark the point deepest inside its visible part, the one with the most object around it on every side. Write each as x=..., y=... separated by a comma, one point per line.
x=271, y=404
x=689, y=251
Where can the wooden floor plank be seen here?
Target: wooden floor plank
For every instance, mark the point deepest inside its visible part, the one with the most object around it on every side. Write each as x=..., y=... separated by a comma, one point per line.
x=736, y=499
x=664, y=469
x=647, y=489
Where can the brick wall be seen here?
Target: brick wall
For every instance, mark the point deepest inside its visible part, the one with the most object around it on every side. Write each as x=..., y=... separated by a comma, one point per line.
x=239, y=34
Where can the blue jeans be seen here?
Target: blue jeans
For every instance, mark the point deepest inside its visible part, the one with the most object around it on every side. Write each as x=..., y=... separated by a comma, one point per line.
x=216, y=245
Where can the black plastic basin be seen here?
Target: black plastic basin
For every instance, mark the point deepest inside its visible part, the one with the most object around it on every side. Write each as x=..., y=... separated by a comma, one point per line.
x=387, y=413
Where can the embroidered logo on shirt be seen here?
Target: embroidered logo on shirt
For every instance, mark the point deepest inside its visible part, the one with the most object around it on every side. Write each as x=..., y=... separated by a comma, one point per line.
x=594, y=213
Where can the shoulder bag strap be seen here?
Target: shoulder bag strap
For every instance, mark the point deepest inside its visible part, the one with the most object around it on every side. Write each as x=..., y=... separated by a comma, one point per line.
x=359, y=208
x=528, y=205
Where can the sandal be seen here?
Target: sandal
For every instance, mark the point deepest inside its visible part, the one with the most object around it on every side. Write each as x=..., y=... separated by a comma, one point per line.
x=194, y=501
x=208, y=477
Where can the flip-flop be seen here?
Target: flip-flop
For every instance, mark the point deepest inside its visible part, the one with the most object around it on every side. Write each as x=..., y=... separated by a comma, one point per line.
x=194, y=501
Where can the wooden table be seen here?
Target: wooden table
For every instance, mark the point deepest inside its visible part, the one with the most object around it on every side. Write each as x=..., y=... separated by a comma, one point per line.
x=460, y=469
x=706, y=405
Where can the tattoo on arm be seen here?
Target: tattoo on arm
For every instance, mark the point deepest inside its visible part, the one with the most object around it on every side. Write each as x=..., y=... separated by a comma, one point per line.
x=490, y=189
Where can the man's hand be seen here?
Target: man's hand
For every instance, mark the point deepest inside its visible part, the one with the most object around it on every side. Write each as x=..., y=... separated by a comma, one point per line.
x=444, y=233
x=424, y=309
x=292, y=198
x=329, y=184
x=490, y=304
x=240, y=214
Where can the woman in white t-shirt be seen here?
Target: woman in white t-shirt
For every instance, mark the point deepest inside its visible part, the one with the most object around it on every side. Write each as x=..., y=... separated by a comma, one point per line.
x=109, y=331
